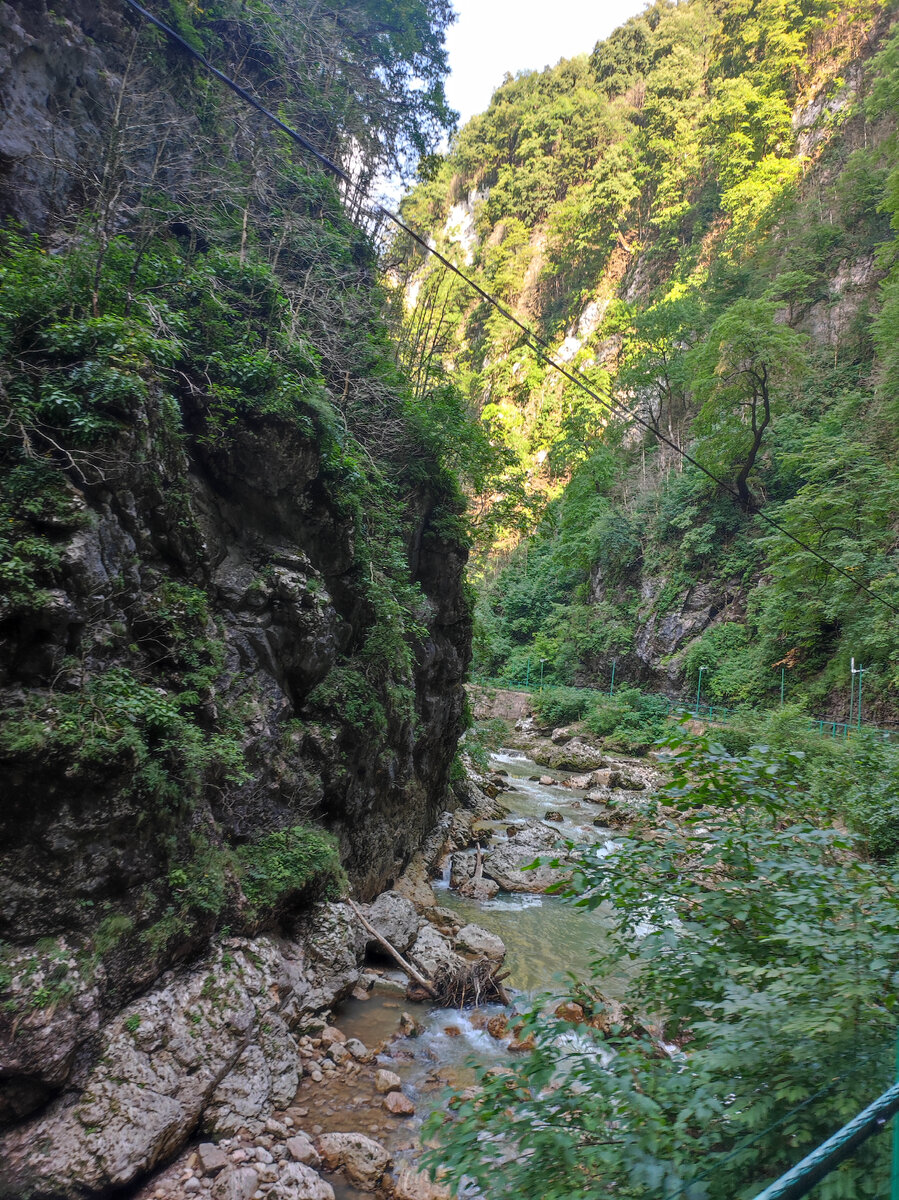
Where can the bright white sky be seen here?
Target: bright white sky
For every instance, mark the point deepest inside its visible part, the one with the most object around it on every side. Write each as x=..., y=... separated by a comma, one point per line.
x=491, y=37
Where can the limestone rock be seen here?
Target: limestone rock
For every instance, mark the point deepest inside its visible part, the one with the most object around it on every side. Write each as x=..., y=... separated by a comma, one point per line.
x=211, y=1158
x=479, y=889
x=235, y=1183
x=433, y=952
x=299, y=1182
x=395, y=918
x=301, y=1150
x=387, y=1081
x=504, y=863
x=576, y=755
x=398, y=1105
x=363, y=1159
x=415, y=885
x=473, y=939
x=416, y=1185
x=359, y=1050
x=498, y=1026
x=335, y=941
x=462, y=867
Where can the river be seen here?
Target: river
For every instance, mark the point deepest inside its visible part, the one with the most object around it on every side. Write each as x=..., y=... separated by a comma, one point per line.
x=545, y=938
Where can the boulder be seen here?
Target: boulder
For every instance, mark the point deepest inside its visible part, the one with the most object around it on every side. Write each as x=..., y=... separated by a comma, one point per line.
x=504, y=863
x=387, y=1081
x=336, y=942
x=578, y=782
x=235, y=1183
x=363, y=1159
x=359, y=1050
x=416, y=1185
x=395, y=918
x=462, y=867
x=576, y=755
x=546, y=780
x=299, y=1182
x=553, y=815
x=478, y=889
x=398, y=1105
x=498, y=1026
x=473, y=939
x=560, y=737
x=210, y=1158
x=434, y=953
x=210, y=1038
x=301, y=1150
x=570, y=1011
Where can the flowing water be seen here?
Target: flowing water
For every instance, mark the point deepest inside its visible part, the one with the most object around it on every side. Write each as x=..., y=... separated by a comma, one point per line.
x=545, y=938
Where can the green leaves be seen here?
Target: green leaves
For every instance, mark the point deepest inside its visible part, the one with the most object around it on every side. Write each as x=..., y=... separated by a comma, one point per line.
x=761, y=954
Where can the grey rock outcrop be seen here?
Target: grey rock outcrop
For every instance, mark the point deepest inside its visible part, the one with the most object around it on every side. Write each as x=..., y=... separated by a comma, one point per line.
x=214, y=1043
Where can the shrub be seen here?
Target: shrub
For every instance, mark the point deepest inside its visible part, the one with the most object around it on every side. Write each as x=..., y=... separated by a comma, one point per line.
x=300, y=861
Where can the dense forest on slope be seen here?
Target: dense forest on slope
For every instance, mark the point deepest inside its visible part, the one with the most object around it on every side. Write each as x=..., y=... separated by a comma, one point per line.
x=699, y=216
x=231, y=610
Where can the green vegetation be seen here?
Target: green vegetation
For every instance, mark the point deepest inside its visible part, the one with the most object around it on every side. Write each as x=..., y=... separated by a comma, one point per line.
x=291, y=861
x=701, y=216
x=185, y=309
x=755, y=940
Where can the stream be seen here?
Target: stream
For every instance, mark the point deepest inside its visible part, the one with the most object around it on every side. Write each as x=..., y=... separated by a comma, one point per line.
x=544, y=937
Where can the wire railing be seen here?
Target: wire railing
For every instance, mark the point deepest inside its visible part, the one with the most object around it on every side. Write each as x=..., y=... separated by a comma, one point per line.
x=718, y=714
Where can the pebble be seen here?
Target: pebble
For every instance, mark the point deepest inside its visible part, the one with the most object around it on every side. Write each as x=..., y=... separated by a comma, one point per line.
x=262, y=1155
x=191, y=1185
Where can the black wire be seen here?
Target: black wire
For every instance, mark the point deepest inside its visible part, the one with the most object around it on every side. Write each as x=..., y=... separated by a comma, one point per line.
x=542, y=348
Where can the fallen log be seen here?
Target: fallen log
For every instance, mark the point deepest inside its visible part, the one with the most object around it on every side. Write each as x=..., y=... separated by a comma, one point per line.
x=413, y=974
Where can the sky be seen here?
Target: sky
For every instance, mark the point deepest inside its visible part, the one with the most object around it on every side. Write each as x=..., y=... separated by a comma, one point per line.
x=491, y=37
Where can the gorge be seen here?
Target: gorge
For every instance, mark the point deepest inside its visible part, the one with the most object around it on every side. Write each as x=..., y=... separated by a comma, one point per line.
x=285, y=505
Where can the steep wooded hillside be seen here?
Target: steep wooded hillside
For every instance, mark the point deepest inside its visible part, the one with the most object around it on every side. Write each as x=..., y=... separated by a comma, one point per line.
x=698, y=216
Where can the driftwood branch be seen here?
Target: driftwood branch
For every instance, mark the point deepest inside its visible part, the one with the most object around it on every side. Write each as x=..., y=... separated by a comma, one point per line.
x=413, y=974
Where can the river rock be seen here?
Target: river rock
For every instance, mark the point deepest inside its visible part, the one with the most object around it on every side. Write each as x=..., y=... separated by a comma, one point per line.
x=553, y=815
x=416, y=1185
x=396, y=919
x=478, y=889
x=387, y=1081
x=398, y=1105
x=462, y=867
x=211, y=1158
x=415, y=883
x=335, y=942
x=359, y=1050
x=570, y=1010
x=546, y=780
x=561, y=736
x=301, y=1150
x=473, y=939
x=498, y=1026
x=445, y=919
x=580, y=782
x=504, y=863
x=363, y=1159
x=235, y=1183
x=576, y=755
x=434, y=953
x=299, y=1182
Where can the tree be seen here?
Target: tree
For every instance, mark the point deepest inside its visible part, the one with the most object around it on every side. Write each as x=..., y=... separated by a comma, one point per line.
x=758, y=951
x=741, y=374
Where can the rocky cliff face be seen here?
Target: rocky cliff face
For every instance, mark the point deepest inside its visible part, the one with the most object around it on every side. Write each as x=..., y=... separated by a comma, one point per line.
x=213, y=644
